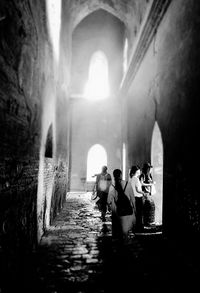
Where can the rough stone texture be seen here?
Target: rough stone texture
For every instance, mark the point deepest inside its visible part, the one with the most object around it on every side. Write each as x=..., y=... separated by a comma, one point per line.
x=18, y=203
x=24, y=70
x=78, y=254
x=59, y=190
x=165, y=89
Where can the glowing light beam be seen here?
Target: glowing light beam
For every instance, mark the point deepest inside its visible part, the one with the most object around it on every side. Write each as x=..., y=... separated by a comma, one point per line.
x=97, y=86
x=54, y=23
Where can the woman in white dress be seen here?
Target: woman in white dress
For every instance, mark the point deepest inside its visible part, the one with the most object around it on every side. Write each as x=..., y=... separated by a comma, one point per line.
x=121, y=225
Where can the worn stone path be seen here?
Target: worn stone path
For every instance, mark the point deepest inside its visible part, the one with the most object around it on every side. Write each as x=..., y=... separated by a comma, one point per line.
x=78, y=255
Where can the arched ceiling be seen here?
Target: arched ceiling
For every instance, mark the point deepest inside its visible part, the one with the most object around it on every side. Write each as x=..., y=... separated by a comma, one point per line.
x=130, y=12
x=80, y=12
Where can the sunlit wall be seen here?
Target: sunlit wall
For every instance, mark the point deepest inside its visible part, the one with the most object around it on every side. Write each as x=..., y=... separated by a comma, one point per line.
x=157, y=162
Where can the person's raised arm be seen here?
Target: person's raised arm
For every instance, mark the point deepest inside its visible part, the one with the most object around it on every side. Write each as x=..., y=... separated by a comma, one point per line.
x=143, y=183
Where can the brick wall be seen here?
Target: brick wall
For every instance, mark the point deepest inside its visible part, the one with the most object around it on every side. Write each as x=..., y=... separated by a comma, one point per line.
x=18, y=202
x=25, y=64
x=59, y=190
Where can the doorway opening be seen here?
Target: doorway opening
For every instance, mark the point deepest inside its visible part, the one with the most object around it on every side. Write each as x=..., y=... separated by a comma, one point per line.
x=157, y=162
x=97, y=157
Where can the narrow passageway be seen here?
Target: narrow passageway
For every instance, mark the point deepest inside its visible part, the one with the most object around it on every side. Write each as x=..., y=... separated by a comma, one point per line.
x=77, y=254
x=85, y=84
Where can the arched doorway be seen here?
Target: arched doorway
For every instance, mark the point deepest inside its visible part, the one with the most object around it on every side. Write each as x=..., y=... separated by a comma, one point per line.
x=157, y=162
x=97, y=157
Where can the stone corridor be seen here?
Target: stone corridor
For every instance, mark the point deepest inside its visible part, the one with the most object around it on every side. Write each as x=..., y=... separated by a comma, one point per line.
x=77, y=254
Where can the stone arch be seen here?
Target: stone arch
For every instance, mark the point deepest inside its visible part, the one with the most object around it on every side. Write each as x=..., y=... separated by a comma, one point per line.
x=157, y=162
x=92, y=35
x=87, y=11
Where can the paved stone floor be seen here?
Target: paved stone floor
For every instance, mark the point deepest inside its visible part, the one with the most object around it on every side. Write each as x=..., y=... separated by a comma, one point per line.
x=78, y=255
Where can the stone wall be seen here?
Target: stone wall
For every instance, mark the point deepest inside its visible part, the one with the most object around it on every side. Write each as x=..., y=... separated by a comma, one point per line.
x=60, y=188
x=166, y=89
x=18, y=202
x=25, y=66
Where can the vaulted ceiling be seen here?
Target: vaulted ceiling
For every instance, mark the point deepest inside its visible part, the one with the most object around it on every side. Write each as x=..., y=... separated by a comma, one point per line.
x=130, y=12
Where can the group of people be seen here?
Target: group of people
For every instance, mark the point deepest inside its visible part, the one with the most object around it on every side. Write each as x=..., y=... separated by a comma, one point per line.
x=137, y=189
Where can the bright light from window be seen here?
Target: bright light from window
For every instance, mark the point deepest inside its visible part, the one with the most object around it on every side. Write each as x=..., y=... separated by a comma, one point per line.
x=54, y=21
x=125, y=63
x=157, y=162
x=97, y=86
x=97, y=158
x=124, y=162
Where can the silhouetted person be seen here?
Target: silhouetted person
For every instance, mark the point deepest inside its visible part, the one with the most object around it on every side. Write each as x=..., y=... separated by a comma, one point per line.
x=103, y=182
x=146, y=180
x=139, y=196
x=121, y=225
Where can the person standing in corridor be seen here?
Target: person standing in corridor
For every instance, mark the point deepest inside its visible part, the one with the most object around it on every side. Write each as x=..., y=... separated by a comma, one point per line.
x=139, y=196
x=147, y=183
x=121, y=223
x=103, y=182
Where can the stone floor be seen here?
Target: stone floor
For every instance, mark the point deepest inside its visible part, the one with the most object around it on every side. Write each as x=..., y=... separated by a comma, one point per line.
x=78, y=255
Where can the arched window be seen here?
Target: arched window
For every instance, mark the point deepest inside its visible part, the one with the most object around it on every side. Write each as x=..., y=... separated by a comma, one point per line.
x=97, y=86
x=157, y=162
x=97, y=158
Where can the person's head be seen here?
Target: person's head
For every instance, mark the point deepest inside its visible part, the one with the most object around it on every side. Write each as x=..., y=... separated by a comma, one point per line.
x=135, y=171
x=117, y=174
x=147, y=167
x=104, y=169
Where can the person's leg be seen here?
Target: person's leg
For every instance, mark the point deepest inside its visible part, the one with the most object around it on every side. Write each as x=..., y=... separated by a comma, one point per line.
x=139, y=214
x=100, y=201
x=104, y=206
x=126, y=226
x=116, y=227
